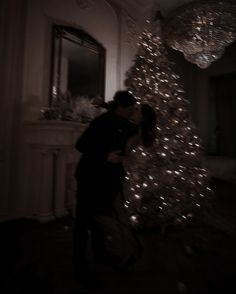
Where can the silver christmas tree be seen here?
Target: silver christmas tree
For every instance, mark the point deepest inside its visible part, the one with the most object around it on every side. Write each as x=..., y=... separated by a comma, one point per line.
x=166, y=183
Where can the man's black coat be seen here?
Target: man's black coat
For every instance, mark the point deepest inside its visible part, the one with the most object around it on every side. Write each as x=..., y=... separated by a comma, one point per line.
x=98, y=180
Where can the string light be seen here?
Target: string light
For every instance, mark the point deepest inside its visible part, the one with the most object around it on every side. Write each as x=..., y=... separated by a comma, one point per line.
x=165, y=181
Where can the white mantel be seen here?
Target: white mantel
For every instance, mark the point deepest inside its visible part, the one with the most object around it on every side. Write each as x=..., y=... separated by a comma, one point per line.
x=62, y=133
x=50, y=160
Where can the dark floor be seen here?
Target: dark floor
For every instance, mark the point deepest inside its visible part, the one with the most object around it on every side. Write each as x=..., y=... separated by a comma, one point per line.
x=200, y=258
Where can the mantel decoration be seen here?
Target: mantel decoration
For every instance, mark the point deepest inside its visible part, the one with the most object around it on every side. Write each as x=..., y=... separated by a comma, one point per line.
x=201, y=30
x=78, y=109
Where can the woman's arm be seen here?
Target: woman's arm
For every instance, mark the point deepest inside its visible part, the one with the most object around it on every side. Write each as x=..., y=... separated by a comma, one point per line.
x=132, y=143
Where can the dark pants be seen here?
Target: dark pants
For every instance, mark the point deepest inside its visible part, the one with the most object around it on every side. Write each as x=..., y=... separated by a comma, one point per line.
x=96, y=196
x=88, y=238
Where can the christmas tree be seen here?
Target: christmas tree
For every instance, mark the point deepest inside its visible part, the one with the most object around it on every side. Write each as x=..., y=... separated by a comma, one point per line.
x=166, y=183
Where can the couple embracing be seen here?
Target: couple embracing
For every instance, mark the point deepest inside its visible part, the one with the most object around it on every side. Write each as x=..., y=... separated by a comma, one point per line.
x=100, y=173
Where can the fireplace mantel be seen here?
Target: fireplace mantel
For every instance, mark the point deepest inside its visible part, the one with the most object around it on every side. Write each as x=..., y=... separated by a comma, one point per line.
x=52, y=132
x=50, y=160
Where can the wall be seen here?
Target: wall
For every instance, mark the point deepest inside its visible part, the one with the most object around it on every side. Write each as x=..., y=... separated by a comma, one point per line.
x=39, y=191
x=12, y=29
x=220, y=167
x=227, y=64
x=25, y=72
x=25, y=32
x=96, y=17
x=195, y=82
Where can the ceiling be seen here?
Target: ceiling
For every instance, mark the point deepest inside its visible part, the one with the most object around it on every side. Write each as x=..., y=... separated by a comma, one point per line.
x=138, y=8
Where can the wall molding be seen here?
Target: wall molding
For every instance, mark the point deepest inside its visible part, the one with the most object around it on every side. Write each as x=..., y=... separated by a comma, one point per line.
x=85, y=4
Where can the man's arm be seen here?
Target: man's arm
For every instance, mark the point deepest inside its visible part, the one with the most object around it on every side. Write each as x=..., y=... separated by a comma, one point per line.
x=96, y=139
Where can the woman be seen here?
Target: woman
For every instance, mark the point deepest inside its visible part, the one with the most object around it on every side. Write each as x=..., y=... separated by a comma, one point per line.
x=121, y=240
x=99, y=175
x=145, y=118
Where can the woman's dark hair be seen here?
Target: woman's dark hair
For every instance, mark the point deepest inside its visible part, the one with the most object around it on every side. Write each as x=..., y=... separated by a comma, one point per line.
x=148, y=124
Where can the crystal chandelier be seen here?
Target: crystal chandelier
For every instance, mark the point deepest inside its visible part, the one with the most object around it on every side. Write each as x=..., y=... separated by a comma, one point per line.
x=201, y=30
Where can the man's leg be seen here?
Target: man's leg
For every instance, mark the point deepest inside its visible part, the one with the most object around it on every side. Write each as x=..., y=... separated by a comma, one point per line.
x=81, y=226
x=98, y=241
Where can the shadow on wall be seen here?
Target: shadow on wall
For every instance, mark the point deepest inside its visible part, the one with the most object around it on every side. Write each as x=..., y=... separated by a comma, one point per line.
x=222, y=168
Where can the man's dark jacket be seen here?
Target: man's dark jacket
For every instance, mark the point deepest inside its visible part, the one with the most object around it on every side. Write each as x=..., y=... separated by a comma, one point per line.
x=98, y=180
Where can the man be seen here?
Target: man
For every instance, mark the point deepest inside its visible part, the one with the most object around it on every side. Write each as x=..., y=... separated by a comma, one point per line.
x=100, y=173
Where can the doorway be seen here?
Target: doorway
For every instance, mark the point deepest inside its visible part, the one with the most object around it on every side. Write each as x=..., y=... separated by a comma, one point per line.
x=222, y=115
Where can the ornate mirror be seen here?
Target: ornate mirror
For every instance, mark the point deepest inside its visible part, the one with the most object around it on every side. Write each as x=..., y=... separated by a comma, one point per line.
x=78, y=65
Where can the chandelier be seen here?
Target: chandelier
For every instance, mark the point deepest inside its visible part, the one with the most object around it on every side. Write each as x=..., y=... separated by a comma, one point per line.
x=201, y=30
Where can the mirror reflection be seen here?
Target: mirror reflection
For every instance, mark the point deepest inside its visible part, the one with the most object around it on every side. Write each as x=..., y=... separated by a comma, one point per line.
x=78, y=67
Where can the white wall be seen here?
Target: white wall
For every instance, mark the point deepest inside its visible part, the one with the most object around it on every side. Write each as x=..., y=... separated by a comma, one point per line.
x=12, y=29
x=227, y=64
x=25, y=72
x=115, y=30
x=96, y=17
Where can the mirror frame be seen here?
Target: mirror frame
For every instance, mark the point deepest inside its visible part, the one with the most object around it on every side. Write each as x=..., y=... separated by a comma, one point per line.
x=82, y=38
